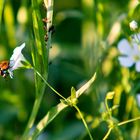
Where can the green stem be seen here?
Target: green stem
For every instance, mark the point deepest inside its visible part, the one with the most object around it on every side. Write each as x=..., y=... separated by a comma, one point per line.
x=128, y=121
x=49, y=84
x=51, y=114
x=37, y=105
x=107, y=134
x=107, y=108
x=33, y=115
x=85, y=124
x=119, y=124
x=106, y=104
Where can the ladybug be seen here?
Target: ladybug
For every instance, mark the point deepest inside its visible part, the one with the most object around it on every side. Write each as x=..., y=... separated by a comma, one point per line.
x=4, y=66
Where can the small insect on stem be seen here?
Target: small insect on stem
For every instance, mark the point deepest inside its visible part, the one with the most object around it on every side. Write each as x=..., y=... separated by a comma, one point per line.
x=45, y=27
x=46, y=37
x=45, y=20
x=52, y=29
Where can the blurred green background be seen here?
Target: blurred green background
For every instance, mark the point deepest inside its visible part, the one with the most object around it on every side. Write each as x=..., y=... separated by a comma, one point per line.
x=85, y=41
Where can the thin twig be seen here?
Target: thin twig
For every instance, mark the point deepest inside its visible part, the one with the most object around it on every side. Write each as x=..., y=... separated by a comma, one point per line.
x=128, y=121
x=49, y=84
x=107, y=134
x=85, y=124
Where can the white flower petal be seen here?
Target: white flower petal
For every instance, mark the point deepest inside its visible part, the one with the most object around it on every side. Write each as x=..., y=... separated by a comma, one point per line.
x=137, y=66
x=17, y=57
x=136, y=50
x=17, y=52
x=17, y=63
x=138, y=99
x=124, y=47
x=126, y=61
x=136, y=47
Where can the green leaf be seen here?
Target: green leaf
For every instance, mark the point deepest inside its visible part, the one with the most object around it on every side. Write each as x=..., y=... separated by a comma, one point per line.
x=51, y=114
x=39, y=33
x=73, y=93
x=64, y=102
x=85, y=86
x=40, y=62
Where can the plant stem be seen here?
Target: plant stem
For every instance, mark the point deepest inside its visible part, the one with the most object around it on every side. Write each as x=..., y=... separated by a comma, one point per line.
x=107, y=108
x=51, y=114
x=128, y=121
x=33, y=115
x=119, y=124
x=49, y=84
x=106, y=105
x=107, y=134
x=85, y=124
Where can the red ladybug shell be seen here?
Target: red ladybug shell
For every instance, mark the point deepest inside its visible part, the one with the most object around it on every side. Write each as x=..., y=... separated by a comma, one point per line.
x=4, y=65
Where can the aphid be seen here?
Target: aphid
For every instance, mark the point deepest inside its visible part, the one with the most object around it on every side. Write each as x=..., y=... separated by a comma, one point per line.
x=45, y=27
x=46, y=37
x=4, y=66
x=45, y=20
x=52, y=29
